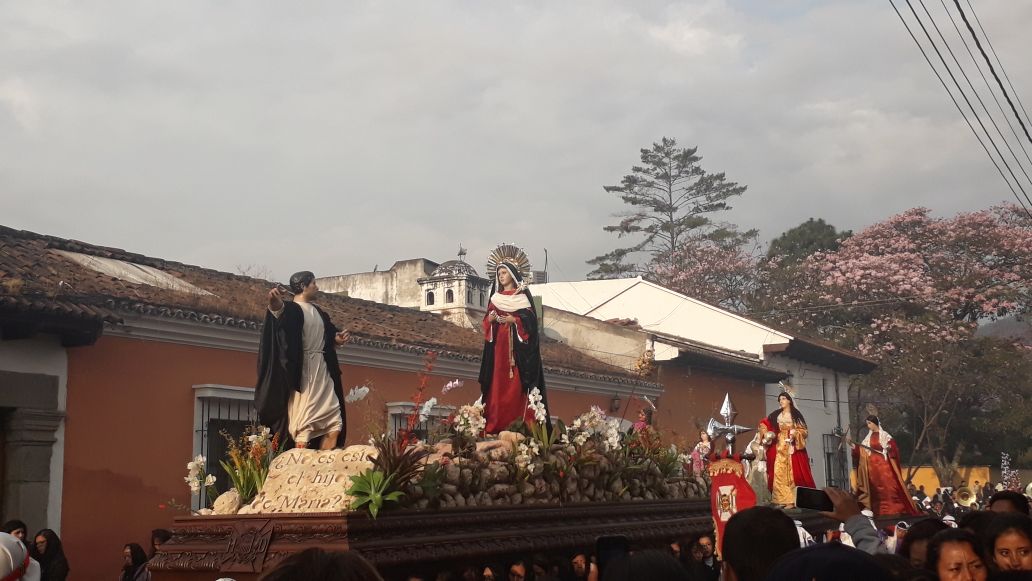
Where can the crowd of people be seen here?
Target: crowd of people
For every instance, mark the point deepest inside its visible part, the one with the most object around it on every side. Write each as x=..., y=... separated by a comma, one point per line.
x=759, y=543
x=42, y=557
x=763, y=543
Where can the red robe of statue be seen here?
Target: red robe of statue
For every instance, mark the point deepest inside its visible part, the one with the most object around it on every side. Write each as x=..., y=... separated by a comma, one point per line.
x=879, y=482
x=506, y=400
x=794, y=468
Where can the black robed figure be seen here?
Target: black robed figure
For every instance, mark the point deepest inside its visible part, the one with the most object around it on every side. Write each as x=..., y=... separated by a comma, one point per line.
x=511, y=365
x=299, y=394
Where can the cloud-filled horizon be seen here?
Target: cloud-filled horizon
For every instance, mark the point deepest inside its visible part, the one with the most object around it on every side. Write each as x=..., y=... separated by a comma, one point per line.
x=336, y=137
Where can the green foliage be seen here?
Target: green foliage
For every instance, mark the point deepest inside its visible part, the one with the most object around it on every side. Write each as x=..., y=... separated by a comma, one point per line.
x=248, y=461
x=372, y=490
x=400, y=464
x=811, y=236
x=431, y=481
x=671, y=197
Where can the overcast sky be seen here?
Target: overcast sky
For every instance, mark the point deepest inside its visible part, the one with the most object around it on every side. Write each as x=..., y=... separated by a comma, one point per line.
x=335, y=136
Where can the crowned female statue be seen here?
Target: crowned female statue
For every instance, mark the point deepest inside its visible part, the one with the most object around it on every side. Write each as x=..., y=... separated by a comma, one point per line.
x=511, y=365
x=788, y=465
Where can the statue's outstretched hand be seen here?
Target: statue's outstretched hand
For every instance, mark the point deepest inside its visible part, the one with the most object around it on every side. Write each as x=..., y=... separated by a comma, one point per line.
x=275, y=299
x=342, y=337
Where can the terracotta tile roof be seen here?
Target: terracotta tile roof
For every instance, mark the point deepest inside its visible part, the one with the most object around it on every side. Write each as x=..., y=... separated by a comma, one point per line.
x=34, y=278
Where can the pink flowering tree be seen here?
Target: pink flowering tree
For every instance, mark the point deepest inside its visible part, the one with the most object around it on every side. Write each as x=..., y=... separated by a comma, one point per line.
x=722, y=272
x=910, y=292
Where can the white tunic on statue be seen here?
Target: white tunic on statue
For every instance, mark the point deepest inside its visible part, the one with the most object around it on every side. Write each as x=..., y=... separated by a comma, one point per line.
x=314, y=411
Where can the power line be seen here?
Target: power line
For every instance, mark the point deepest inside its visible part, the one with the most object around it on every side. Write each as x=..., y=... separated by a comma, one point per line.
x=966, y=100
x=967, y=46
x=998, y=61
x=957, y=105
x=992, y=70
x=977, y=96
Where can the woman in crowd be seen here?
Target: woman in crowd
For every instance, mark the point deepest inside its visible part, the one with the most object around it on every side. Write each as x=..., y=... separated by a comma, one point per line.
x=788, y=465
x=134, y=565
x=914, y=546
x=48, y=551
x=15, y=528
x=956, y=555
x=1009, y=542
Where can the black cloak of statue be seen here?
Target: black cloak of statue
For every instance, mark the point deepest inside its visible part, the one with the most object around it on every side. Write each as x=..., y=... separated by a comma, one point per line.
x=279, y=369
x=526, y=354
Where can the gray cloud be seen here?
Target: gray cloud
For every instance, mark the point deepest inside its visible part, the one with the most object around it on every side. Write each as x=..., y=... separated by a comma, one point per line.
x=336, y=136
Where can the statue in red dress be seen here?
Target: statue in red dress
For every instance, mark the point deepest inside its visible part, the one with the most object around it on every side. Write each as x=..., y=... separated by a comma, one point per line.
x=511, y=365
x=879, y=481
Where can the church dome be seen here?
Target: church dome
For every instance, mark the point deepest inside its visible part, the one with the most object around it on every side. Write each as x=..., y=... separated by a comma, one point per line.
x=454, y=268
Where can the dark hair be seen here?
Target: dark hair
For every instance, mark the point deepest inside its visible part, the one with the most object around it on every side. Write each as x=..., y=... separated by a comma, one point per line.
x=651, y=564
x=951, y=536
x=53, y=555
x=1019, y=500
x=1006, y=523
x=797, y=416
x=13, y=525
x=977, y=521
x=161, y=536
x=755, y=538
x=921, y=530
x=874, y=420
x=299, y=280
x=900, y=568
x=137, y=559
x=828, y=562
x=319, y=565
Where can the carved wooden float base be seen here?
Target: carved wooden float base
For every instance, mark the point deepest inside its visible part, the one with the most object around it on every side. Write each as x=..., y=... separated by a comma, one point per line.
x=242, y=546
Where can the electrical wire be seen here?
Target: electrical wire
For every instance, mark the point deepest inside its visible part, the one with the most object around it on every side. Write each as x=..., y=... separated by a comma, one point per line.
x=977, y=96
x=992, y=70
x=961, y=110
x=953, y=77
x=967, y=46
x=998, y=61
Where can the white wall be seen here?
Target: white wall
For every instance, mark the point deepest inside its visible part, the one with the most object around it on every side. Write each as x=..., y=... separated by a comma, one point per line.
x=606, y=342
x=46, y=356
x=818, y=405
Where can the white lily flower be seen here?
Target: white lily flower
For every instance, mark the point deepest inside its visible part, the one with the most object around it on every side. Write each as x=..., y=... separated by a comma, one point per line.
x=209, y=480
x=357, y=393
x=428, y=407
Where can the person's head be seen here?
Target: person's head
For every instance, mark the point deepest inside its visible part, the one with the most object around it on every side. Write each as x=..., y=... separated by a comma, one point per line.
x=786, y=403
x=956, y=555
x=133, y=556
x=754, y=539
x=1008, y=501
x=16, y=529
x=937, y=505
x=15, y=563
x=508, y=276
x=977, y=521
x=518, y=571
x=579, y=563
x=914, y=546
x=47, y=545
x=303, y=284
x=492, y=573
x=873, y=423
x=158, y=537
x=828, y=562
x=540, y=565
x=705, y=542
x=649, y=564
x=320, y=565
x=1009, y=542
x=921, y=488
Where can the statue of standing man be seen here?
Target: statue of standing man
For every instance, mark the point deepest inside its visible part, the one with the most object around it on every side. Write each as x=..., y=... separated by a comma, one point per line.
x=299, y=394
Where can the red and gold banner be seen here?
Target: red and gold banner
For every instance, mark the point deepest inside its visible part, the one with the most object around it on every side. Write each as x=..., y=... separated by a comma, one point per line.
x=729, y=492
